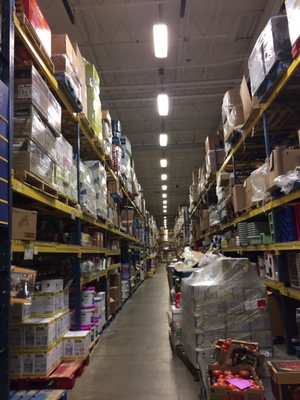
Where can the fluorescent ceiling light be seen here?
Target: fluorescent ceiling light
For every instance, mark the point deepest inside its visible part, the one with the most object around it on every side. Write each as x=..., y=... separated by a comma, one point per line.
x=164, y=187
x=165, y=211
x=163, y=104
x=165, y=201
x=163, y=162
x=163, y=139
x=164, y=195
x=160, y=37
x=164, y=177
x=164, y=206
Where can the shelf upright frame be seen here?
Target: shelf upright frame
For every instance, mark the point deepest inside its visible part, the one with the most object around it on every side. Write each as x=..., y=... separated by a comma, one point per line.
x=78, y=235
x=7, y=60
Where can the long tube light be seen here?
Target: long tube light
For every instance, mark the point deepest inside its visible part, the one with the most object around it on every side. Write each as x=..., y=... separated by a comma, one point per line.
x=164, y=187
x=160, y=38
x=163, y=104
x=165, y=201
x=164, y=195
x=164, y=177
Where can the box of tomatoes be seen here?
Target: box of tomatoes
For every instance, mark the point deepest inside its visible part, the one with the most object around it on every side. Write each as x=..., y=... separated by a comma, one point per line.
x=233, y=383
x=230, y=352
x=285, y=379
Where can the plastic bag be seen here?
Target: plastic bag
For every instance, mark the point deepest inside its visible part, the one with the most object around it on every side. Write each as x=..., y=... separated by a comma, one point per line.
x=286, y=182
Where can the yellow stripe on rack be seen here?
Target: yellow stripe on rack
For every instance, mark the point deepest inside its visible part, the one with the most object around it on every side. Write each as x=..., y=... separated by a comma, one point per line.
x=3, y=119
x=285, y=246
x=18, y=246
x=284, y=291
x=4, y=139
x=113, y=267
x=44, y=198
x=93, y=277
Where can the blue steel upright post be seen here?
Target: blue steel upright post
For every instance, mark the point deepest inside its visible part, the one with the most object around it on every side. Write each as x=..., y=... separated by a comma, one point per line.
x=78, y=235
x=6, y=126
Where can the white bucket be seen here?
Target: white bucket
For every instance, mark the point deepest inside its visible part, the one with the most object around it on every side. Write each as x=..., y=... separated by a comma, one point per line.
x=87, y=315
x=87, y=296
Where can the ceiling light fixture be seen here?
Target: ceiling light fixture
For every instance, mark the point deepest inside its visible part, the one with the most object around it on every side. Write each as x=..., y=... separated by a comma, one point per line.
x=163, y=139
x=160, y=38
x=164, y=195
x=164, y=187
x=164, y=177
x=165, y=211
x=163, y=104
x=163, y=162
x=165, y=201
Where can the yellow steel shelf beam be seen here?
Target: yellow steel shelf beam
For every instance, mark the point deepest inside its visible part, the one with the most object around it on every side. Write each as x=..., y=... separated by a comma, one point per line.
x=93, y=277
x=44, y=198
x=285, y=246
x=284, y=291
x=111, y=253
x=19, y=246
x=113, y=267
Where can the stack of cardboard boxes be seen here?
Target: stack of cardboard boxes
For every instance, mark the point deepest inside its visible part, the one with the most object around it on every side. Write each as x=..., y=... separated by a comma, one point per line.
x=37, y=331
x=114, y=292
x=94, y=114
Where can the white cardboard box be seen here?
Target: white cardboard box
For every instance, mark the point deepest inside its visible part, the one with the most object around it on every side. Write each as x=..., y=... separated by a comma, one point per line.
x=76, y=344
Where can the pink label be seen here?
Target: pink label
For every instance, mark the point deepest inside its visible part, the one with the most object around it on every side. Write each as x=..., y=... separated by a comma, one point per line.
x=241, y=384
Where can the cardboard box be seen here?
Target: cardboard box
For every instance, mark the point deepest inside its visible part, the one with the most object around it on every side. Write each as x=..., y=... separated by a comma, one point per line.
x=204, y=220
x=61, y=44
x=285, y=379
x=112, y=306
x=38, y=22
x=239, y=198
x=76, y=345
x=221, y=393
x=277, y=325
x=281, y=161
x=115, y=280
x=52, y=285
x=249, y=356
x=212, y=141
x=23, y=224
x=214, y=160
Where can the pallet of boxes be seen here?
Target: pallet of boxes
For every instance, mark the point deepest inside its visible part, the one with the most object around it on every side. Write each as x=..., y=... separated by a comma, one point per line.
x=223, y=299
x=38, y=329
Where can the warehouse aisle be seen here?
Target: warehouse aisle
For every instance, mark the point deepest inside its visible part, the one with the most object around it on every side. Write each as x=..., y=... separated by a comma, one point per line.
x=134, y=360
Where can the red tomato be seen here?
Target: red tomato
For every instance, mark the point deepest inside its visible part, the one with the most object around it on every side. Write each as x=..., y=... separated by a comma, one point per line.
x=217, y=384
x=227, y=372
x=221, y=380
x=236, y=376
x=222, y=376
x=228, y=342
x=230, y=386
x=236, y=390
x=224, y=347
x=216, y=372
x=244, y=374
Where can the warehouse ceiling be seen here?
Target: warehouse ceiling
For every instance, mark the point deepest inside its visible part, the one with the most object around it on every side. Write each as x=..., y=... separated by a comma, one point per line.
x=209, y=44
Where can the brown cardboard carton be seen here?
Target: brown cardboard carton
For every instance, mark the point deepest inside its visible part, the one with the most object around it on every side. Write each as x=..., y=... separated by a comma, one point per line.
x=204, y=220
x=285, y=379
x=115, y=280
x=212, y=141
x=112, y=306
x=61, y=44
x=239, y=198
x=214, y=160
x=23, y=224
x=80, y=70
x=277, y=326
x=281, y=161
x=246, y=99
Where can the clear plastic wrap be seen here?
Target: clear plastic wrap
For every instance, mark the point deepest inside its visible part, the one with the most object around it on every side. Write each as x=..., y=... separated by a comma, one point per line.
x=64, y=153
x=272, y=45
x=214, y=217
x=63, y=64
x=293, y=15
x=116, y=158
x=258, y=183
x=223, y=299
x=28, y=156
x=100, y=186
x=287, y=182
x=87, y=191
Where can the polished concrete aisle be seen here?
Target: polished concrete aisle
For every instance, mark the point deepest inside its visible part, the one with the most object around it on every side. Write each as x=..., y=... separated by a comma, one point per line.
x=134, y=360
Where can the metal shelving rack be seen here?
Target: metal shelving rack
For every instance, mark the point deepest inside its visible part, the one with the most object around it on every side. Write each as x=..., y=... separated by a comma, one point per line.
x=259, y=118
x=7, y=61
x=11, y=26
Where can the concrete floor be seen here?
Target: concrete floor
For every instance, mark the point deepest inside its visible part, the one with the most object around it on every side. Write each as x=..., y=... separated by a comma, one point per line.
x=134, y=360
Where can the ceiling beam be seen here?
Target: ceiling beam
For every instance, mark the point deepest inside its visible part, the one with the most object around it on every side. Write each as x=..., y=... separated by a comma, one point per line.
x=178, y=97
x=173, y=85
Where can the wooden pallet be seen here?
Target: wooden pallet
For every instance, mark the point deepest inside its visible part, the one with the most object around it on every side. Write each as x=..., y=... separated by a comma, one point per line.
x=30, y=32
x=66, y=200
x=35, y=182
x=94, y=345
x=179, y=350
x=47, y=394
